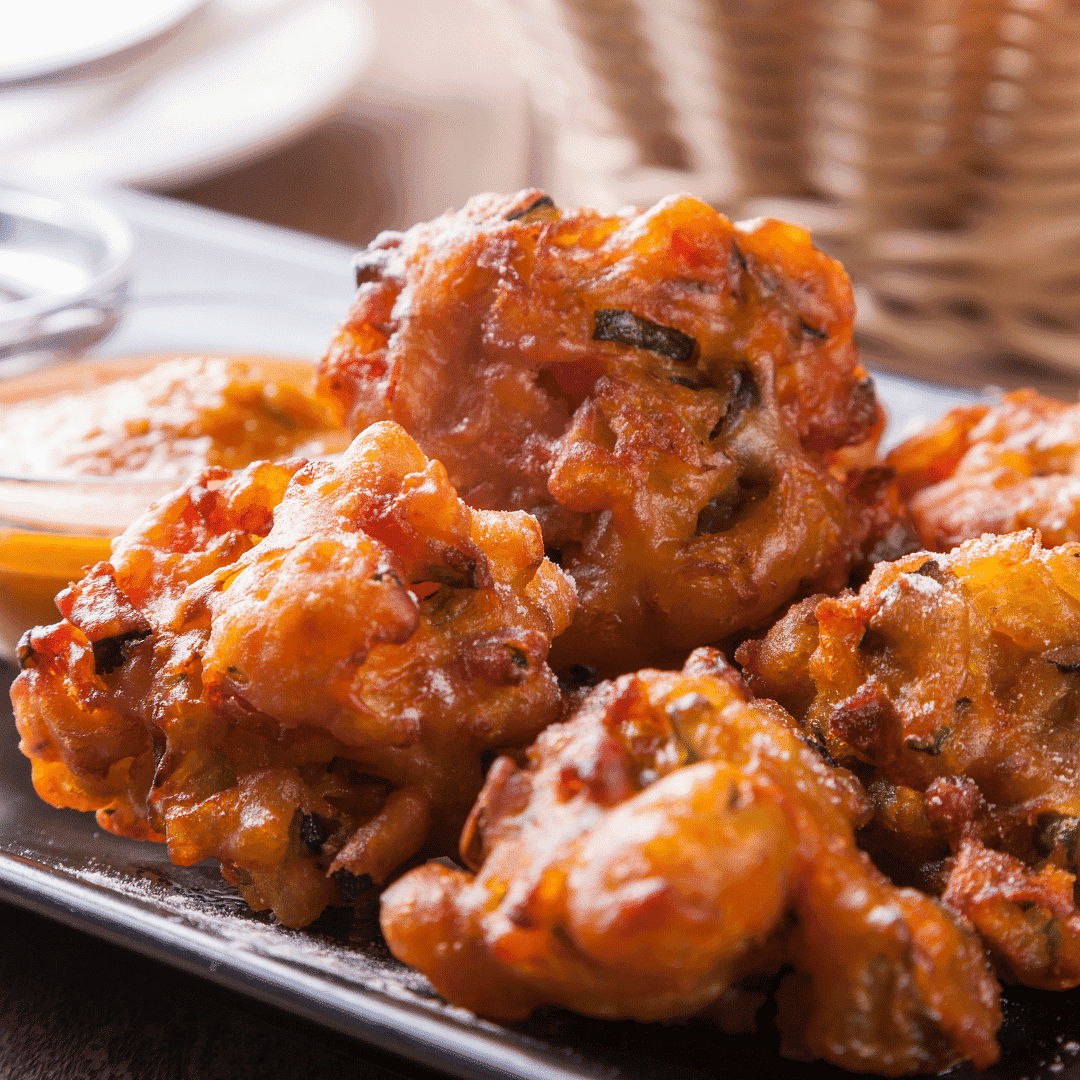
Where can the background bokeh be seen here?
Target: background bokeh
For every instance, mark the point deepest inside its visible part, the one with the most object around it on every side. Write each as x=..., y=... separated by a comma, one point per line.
x=932, y=145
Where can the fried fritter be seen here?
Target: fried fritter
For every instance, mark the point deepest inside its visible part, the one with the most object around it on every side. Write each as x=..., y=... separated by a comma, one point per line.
x=998, y=469
x=951, y=683
x=666, y=850
x=676, y=398
x=297, y=670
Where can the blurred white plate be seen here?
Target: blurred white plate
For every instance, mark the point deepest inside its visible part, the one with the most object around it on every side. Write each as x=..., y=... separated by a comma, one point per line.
x=237, y=79
x=51, y=36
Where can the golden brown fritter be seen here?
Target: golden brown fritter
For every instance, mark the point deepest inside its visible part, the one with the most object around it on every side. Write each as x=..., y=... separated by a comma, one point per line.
x=995, y=470
x=671, y=843
x=676, y=398
x=951, y=683
x=297, y=670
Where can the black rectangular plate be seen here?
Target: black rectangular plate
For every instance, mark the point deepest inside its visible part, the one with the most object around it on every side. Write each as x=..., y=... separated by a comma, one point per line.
x=338, y=973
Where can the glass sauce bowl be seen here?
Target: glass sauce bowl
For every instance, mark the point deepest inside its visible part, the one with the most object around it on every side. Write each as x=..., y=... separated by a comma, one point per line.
x=53, y=527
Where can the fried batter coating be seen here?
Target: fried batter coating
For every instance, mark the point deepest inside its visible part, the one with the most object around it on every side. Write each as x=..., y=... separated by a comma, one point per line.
x=668, y=842
x=951, y=683
x=994, y=470
x=676, y=398
x=297, y=670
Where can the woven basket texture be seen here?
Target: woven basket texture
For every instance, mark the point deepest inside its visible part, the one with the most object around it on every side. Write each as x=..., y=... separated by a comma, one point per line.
x=934, y=145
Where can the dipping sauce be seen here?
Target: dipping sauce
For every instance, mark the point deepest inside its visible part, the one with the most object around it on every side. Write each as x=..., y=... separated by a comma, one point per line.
x=85, y=448
x=180, y=415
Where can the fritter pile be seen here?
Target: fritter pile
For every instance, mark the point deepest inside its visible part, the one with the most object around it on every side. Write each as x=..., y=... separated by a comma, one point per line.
x=303, y=669
x=676, y=398
x=670, y=849
x=297, y=670
x=996, y=469
x=951, y=685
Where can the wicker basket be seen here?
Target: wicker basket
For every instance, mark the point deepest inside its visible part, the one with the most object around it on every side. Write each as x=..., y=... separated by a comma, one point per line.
x=933, y=144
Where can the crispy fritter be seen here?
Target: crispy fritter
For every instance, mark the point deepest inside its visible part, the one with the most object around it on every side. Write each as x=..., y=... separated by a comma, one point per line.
x=952, y=684
x=676, y=398
x=297, y=670
x=998, y=469
x=671, y=844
